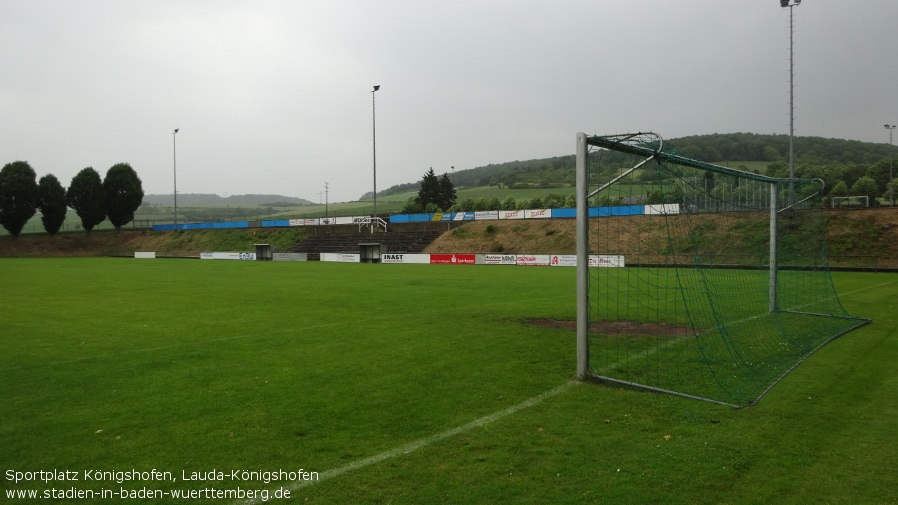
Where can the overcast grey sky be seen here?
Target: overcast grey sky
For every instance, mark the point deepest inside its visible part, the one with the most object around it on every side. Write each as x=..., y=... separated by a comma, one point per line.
x=275, y=96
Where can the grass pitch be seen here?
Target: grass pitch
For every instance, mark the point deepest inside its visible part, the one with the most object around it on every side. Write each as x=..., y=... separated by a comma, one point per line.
x=403, y=384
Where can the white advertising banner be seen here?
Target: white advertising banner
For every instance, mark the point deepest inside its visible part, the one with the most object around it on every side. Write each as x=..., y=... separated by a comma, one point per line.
x=405, y=258
x=341, y=257
x=498, y=259
x=511, y=214
x=564, y=260
x=145, y=255
x=248, y=256
x=290, y=256
x=529, y=260
x=312, y=221
x=537, y=214
x=666, y=208
x=486, y=215
x=615, y=260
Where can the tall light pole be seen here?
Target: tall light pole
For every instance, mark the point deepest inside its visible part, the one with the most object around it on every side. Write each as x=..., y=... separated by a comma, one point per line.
x=374, y=145
x=325, y=199
x=790, y=4
x=891, y=128
x=174, y=148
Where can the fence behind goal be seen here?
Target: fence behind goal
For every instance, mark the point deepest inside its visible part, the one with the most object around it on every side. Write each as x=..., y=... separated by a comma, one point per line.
x=726, y=285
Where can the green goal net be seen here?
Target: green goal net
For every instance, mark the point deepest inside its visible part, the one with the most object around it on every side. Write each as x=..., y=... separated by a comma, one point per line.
x=697, y=279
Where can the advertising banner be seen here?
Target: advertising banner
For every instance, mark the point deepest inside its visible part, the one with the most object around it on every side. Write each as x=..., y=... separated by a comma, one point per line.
x=615, y=260
x=499, y=259
x=666, y=208
x=452, y=259
x=538, y=214
x=290, y=256
x=529, y=260
x=250, y=256
x=341, y=257
x=511, y=214
x=405, y=258
x=486, y=214
x=564, y=260
x=145, y=255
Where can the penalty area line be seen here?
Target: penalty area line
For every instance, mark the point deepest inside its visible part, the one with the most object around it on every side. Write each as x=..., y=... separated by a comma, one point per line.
x=424, y=442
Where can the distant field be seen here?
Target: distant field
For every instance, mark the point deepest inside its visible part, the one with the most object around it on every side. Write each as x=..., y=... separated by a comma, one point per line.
x=405, y=384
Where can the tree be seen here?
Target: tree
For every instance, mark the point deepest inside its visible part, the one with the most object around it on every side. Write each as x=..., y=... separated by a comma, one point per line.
x=122, y=193
x=771, y=154
x=447, y=193
x=85, y=195
x=430, y=189
x=18, y=196
x=52, y=203
x=891, y=191
x=438, y=191
x=866, y=186
x=412, y=206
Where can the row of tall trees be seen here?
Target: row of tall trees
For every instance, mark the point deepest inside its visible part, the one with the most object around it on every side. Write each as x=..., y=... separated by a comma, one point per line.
x=116, y=197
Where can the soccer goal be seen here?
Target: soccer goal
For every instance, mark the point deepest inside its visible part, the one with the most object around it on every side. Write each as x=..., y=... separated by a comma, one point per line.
x=840, y=202
x=721, y=284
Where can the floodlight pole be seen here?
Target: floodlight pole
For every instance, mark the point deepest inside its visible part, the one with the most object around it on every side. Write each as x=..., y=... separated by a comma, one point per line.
x=790, y=4
x=891, y=128
x=325, y=199
x=175, y=170
x=374, y=147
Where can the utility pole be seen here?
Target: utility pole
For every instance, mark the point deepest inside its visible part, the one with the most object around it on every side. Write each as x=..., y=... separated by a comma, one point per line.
x=891, y=128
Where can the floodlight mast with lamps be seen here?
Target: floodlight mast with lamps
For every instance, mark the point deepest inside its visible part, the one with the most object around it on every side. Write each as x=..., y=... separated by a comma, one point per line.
x=790, y=4
x=374, y=146
x=891, y=128
x=175, y=170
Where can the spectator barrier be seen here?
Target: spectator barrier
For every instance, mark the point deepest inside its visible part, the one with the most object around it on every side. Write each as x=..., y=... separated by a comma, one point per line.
x=565, y=213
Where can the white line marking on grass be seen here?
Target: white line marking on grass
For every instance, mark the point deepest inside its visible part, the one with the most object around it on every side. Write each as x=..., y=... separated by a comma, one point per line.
x=868, y=288
x=424, y=442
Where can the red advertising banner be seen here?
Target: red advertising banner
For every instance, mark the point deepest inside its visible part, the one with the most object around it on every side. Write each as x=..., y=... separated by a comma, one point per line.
x=452, y=259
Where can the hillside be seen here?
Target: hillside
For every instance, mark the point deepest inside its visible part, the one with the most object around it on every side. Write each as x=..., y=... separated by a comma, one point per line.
x=213, y=200
x=830, y=159
x=850, y=234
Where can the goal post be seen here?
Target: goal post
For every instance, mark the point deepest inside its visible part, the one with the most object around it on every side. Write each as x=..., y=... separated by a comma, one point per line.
x=582, y=187
x=722, y=285
x=850, y=201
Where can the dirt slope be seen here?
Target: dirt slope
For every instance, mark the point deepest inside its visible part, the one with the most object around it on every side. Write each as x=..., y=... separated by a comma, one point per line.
x=871, y=232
